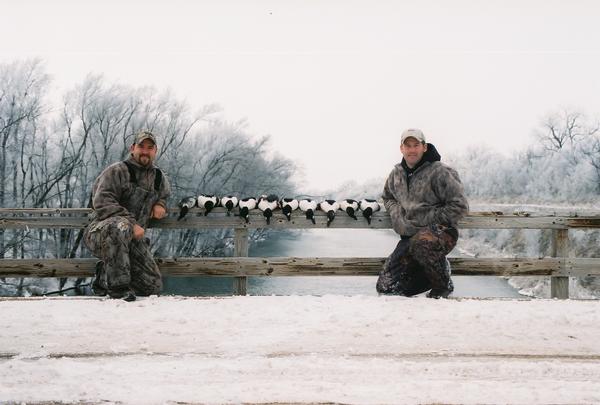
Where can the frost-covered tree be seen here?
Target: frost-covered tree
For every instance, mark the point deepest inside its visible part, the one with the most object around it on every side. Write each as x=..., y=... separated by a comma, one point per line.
x=222, y=158
x=23, y=86
x=50, y=156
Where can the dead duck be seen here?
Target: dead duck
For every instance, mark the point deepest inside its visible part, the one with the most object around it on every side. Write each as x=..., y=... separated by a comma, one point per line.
x=208, y=202
x=287, y=206
x=350, y=206
x=368, y=208
x=246, y=204
x=330, y=207
x=184, y=206
x=308, y=206
x=267, y=204
x=229, y=202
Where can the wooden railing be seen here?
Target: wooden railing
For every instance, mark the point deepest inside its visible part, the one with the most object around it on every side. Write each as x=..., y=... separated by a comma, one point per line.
x=560, y=266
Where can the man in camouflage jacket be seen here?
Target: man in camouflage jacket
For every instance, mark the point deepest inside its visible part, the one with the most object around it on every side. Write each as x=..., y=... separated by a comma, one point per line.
x=425, y=200
x=124, y=198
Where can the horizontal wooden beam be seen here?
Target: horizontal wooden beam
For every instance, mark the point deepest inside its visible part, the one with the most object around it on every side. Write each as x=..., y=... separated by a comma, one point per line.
x=43, y=222
x=78, y=218
x=45, y=211
x=306, y=266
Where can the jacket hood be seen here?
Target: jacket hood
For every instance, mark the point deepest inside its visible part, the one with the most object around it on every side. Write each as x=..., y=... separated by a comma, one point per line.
x=431, y=155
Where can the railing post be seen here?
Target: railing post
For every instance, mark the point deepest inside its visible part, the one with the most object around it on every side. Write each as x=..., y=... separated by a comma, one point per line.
x=240, y=249
x=559, y=285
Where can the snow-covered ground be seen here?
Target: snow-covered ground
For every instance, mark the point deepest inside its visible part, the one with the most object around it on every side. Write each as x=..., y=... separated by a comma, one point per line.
x=302, y=349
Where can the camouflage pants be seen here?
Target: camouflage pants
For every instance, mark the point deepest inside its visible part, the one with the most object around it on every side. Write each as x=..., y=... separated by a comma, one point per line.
x=127, y=263
x=419, y=264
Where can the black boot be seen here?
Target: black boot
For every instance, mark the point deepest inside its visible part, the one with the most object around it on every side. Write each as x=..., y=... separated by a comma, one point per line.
x=443, y=292
x=437, y=293
x=125, y=294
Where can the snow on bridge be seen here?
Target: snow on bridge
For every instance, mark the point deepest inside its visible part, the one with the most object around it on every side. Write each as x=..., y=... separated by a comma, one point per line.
x=299, y=349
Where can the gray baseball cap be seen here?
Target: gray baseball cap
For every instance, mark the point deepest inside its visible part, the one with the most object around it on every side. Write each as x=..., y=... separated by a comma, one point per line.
x=413, y=133
x=142, y=136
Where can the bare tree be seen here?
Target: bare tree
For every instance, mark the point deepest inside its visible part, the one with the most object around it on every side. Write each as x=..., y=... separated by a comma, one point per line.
x=566, y=127
x=591, y=151
x=22, y=88
x=52, y=160
x=221, y=159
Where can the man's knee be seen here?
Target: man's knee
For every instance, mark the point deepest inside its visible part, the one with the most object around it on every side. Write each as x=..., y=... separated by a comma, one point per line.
x=119, y=229
x=114, y=231
x=434, y=240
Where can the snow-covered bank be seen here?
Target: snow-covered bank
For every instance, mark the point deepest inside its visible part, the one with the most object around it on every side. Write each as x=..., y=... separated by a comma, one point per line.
x=300, y=349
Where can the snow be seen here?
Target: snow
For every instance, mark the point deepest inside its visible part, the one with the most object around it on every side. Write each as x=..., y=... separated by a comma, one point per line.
x=301, y=349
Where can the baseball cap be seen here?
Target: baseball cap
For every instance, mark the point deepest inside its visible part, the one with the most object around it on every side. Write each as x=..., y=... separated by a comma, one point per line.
x=143, y=135
x=413, y=133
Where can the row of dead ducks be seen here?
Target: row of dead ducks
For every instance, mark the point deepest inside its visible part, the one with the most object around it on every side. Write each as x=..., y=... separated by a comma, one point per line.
x=269, y=203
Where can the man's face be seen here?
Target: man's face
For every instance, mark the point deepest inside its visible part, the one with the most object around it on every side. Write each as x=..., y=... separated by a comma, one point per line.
x=144, y=153
x=413, y=151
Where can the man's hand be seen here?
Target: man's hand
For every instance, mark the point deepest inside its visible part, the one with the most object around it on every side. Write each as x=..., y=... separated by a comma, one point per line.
x=138, y=232
x=158, y=212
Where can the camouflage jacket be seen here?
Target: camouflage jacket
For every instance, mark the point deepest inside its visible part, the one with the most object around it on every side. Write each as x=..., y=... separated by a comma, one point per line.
x=433, y=195
x=115, y=193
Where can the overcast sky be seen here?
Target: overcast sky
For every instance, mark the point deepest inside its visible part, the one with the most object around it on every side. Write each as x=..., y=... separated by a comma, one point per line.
x=334, y=82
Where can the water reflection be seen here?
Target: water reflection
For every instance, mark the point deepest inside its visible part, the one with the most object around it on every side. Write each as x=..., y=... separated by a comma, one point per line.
x=327, y=243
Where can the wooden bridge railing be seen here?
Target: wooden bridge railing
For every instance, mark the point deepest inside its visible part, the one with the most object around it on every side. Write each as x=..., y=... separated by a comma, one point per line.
x=560, y=266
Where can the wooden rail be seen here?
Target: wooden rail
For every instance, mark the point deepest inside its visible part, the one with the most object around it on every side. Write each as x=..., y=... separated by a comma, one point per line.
x=560, y=266
x=78, y=217
x=305, y=266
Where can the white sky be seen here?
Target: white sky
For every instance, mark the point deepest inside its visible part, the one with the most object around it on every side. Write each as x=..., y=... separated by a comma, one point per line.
x=334, y=82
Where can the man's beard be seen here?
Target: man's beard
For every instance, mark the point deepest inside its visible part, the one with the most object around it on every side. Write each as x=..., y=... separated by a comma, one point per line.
x=144, y=160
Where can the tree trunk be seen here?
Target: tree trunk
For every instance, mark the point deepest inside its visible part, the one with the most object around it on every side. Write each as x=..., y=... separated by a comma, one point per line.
x=2, y=188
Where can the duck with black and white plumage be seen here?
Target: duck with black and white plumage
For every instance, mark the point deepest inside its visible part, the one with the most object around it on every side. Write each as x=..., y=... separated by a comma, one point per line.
x=329, y=207
x=308, y=206
x=287, y=206
x=350, y=206
x=184, y=206
x=246, y=205
x=208, y=202
x=229, y=202
x=368, y=208
x=267, y=204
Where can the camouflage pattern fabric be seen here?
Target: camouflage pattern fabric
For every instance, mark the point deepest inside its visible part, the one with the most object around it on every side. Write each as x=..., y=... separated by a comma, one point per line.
x=115, y=194
x=122, y=199
x=433, y=195
x=127, y=263
x=419, y=263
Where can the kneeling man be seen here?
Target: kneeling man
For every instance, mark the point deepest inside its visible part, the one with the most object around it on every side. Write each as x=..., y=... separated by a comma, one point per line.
x=425, y=200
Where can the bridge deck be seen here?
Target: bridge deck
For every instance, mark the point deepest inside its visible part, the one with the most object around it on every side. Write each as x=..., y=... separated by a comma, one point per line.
x=300, y=349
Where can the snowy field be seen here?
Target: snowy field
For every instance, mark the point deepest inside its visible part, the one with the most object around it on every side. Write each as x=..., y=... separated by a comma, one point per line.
x=299, y=349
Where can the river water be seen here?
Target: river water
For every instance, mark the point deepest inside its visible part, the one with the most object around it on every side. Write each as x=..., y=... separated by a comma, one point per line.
x=328, y=243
